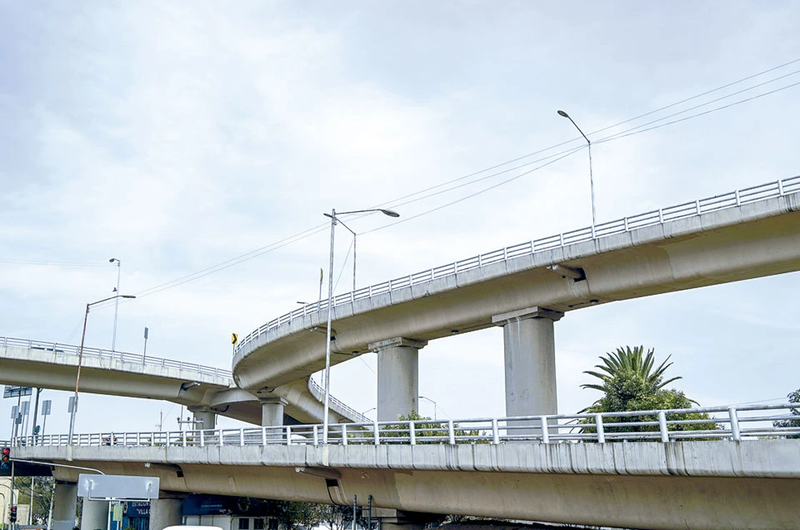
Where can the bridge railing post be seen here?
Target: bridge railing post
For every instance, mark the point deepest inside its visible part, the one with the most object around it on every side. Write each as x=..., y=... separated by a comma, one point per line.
x=495, y=432
x=545, y=430
x=734, y=420
x=241, y=437
x=601, y=433
x=662, y=426
x=315, y=435
x=451, y=432
x=202, y=438
x=344, y=434
x=376, y=433
x=288, y=435
x=411, y=434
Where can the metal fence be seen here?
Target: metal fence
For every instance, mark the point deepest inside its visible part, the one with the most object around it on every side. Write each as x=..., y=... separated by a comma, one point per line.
x=708, y=423
x=135, y=358
x=662, y=215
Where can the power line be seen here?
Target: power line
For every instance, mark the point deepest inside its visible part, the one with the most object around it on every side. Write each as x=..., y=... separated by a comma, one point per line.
x=620, y=134
x=555, y=157
x=735, y=103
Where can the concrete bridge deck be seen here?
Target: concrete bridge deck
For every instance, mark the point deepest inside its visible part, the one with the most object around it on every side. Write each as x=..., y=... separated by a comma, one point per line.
x=737, y=236
x=53, y=365
x=727, y=477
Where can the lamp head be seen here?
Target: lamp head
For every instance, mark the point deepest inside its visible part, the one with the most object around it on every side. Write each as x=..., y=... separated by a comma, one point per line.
x=563, y=114
x=112, y=260
x=390, y=213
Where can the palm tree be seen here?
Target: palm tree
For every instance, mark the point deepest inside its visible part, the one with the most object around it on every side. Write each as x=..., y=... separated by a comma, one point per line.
x=630, y=362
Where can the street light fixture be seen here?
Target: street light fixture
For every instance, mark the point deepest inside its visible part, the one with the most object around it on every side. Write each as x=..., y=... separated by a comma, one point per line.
x=333, y=217
x=591, y=178
x=116, y=305
x=80, y=360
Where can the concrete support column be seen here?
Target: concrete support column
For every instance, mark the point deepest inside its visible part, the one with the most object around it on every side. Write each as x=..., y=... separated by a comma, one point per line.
x=530, y=360
x=65, y=501
x=94, y=515
x=398, y=376
x=208, y=416
x=272, y=411
x=391, y=519
x=164, y=513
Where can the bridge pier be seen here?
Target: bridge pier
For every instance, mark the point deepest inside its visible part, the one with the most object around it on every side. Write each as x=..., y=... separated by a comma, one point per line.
x=94, y=515
x=206, y=415
x=272, y=411
x=65, y=501
x=398, y=376
x=164, y=513
x=530, y=360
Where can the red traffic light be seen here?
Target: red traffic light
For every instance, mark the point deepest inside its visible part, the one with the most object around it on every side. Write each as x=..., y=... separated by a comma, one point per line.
x=13, y=514
x=6, y=456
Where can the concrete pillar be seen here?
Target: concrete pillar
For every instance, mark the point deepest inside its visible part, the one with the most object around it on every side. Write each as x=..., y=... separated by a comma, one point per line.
x=164, y=513
x=94, y=515
x=65, y=501
x=530, y=361
x=391, y=519
x=205, y=414
x=272, y=411
x=398, y=376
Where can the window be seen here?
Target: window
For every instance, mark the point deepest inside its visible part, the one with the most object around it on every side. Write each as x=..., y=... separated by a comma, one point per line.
x=244, y=523
x=258, y=524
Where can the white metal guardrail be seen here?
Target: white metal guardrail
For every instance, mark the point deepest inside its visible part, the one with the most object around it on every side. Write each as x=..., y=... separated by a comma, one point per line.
x=722, y=423
x=662, y=215
x=338, y=405
x=135, y=358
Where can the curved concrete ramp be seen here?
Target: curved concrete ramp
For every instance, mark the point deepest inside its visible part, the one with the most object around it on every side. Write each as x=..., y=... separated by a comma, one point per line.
x=724, y=244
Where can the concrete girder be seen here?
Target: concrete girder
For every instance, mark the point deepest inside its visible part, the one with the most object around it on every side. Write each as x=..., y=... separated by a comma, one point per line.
x=662, y=485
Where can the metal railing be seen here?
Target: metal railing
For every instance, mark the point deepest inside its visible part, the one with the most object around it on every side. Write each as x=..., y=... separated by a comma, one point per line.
x=662, y=215
x=707, y=423
x=338, y=405
x=98, y=353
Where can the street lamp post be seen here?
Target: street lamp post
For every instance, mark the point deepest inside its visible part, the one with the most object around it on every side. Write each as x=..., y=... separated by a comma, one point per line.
x=354, y=251
x=326, y=406
x=434, y=405
x=116, y=304
x=591, y=177
x=80, y=361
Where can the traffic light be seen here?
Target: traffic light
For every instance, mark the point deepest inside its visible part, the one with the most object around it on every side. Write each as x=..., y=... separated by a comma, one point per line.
x=5, y=463
x=12, y=516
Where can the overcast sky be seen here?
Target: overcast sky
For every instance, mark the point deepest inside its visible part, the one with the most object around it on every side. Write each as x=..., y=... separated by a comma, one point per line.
x=176, y=136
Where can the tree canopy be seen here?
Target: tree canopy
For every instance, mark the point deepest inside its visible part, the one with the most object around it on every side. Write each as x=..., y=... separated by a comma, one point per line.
x=794, y=397
x=629, y=382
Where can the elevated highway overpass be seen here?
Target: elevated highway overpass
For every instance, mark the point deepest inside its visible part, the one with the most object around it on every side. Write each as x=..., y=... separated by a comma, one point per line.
x=526, y=288
x=735, y=470
x=205, y=391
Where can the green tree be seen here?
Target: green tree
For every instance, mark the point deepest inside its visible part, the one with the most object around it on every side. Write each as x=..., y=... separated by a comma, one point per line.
x=630, y=382
x=633, y=364
x=428, y=431
x=794, y=397
x=42, y=492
